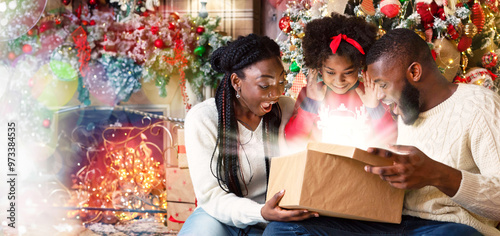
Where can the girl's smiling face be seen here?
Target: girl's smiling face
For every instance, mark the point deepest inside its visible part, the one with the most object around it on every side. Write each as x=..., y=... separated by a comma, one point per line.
x=339, y=73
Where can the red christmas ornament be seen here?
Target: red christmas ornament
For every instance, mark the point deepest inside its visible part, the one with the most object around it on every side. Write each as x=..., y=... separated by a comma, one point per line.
x=489, y=60
x=284, y=24
x=27, y=48
x=58, y=21
x=44, y=26
x=200, y=30
x=84, y=22
x=46, y=123
x=477, y=17
x=92, y=22
x=174, y=16
x=427, y=13
x=464, y=43
x=390, y=8
x=78, y=11
x=30, y=32
x=171, y=26
x=155, y=30
x=92, y=2
x=159, y=43
x=145, y=14
x=11, y=56
x=66, y=2
x=452, y=32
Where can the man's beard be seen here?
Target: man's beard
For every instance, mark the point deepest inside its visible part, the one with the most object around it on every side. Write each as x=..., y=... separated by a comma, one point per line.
x=409, y=104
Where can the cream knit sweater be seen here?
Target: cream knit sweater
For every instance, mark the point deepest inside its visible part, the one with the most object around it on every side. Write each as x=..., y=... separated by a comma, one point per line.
x=462, y=132
x=200, y=134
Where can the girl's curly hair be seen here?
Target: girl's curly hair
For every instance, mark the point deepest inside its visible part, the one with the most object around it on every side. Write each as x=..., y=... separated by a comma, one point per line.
x=318, y=34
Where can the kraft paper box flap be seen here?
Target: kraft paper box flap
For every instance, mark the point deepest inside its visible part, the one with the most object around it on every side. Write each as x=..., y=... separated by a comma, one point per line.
x=279, y=168
x=352, y=152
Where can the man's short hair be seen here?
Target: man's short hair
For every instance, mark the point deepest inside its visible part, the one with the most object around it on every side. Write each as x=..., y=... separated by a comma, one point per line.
x=402, y=46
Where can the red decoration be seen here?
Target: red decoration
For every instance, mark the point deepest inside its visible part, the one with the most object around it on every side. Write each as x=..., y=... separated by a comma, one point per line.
x=159, y=43
x=80, y=38
x=84, y=22
x=452, y=32
x=46, y=123
x=30, y=32
x=489, y=59
x=66, y=2
x=92, y=22
x=27, y=48
x=174, y=16
x=155, y=30
x=427, y=13
x=434, y=55
x=200, y=30
x=171, y=26
x=180, y=58
x=12, y=56
x=459, y=79
x=464, y=43
x=44, y=26
x=284, y=24
x=145, y=14
x=92, y=2
x=477, y=17
x=58, y=21
x=390, y=8
x=78, y=11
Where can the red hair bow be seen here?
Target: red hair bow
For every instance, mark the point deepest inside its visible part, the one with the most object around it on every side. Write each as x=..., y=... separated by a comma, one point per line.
x=334, y=45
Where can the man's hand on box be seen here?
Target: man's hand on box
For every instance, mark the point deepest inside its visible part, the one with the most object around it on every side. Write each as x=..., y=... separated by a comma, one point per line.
x=272, y=212
x=412, y=169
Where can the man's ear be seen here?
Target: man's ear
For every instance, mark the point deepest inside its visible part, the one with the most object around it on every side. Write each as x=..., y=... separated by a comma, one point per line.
x=235, y=81
x=414, y=72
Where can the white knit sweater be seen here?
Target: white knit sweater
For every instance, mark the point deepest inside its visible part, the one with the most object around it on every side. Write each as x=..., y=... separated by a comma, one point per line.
x=462, y=132
x=201, y=134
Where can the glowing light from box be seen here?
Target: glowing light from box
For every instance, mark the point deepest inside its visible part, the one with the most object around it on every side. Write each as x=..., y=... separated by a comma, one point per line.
x=345, y=127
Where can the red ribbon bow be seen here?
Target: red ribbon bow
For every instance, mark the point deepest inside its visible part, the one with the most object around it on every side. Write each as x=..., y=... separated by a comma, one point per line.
x=334, y=45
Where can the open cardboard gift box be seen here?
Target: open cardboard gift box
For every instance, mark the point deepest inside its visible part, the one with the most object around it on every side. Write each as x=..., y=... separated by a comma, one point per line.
x=330, y=179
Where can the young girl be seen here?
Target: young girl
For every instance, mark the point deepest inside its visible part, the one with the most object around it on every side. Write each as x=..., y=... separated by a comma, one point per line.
x=334, y=47
x=230, y=139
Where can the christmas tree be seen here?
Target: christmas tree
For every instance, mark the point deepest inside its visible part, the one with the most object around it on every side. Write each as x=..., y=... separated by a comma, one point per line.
x=463, y=36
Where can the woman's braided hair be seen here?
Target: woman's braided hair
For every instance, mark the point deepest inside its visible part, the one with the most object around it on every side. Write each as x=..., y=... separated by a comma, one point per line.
x=229, y=59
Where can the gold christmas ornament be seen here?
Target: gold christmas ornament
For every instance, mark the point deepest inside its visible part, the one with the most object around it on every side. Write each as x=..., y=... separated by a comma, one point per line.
x=381, y=32
x=447, y=57
x=301, y=35
x=464, y=62
x=361, y=13
x=470, y=30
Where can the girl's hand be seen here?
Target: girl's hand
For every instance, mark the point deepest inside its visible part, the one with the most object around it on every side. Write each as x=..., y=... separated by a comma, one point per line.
x=370, y=96
x=313, y=90
x=272, y=212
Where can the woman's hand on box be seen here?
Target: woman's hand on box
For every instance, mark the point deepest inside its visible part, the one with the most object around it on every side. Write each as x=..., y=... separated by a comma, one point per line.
x=272, y=212
x=412, y=169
